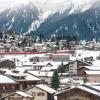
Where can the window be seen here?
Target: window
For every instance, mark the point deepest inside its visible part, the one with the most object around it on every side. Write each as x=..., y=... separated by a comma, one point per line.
x=4, y=88
x=15, y=98
x=11, y=98
x=40, y=94
x=33, y=93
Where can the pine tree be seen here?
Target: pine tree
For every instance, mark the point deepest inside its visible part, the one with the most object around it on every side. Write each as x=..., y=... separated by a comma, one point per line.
x=61, y=68
x=55, y=80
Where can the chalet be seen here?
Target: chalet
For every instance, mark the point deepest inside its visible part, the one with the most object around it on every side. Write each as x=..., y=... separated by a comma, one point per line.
x=7, y=85
x=25, y=80
x=89, y=73
x=39, y=66
x=92, y=76
x=7, y=64
x=81, y=70
x=37, y=92
x=43, y=75
x=19, y=95
x=61, y=57
x=47, y=65
x=72, y=66
x=84, y=92
x=41, y=92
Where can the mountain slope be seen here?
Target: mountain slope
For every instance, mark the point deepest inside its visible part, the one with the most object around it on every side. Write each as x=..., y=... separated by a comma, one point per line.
x=84, y=25
x=19, y=19
x=68, y=17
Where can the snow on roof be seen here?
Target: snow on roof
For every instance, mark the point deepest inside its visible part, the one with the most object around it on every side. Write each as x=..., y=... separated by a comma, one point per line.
x=77, y=81
x=96, y=63
x=27, y=63
x=6, y=80
x=20, y=68
x=92, y=72
x=18, y=74
x=41, y=73
x=86, y=53
x=52, y=63
x=46, y=88
x=90, y=90
x=94, y=68
x=46, y=68
x=93, y=84
x=65, y=80
x=40, y=64
x=27, y=76
x=23, y=94
x=31, y=77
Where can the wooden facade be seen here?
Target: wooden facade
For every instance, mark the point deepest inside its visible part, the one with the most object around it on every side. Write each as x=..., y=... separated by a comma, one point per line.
x=7, y=64
x=72, y=66
x=13, y=84
x=81, y=72
x=33, y=93
x=16, y=96
x=23, y=83
x=77, y=94
x=6, y=89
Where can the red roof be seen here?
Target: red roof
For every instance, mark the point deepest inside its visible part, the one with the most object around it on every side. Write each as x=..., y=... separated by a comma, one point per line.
x=9, y=53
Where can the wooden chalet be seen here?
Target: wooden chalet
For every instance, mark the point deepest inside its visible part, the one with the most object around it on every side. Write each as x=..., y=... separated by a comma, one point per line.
x=82, y=92
x=37, y=92
x=7, y=85
x=72, y=66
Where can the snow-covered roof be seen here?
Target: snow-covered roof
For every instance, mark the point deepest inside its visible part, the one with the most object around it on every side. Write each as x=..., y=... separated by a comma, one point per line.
x=96, y=63
x=19, y=68
x=89, y=72
x=46, y=68
x=77, y=81
x=53, y=63
x=40, y=64
x=86, y=53
x=18, y=74
x=31, y=77
x=23, y=94
x=90, y=89
x=65, y=80
x=6, y=80
x=93, y=68
x=42, y=73
x=46, y=88
x=93, y=84
x=94, y=90
x=27, y=76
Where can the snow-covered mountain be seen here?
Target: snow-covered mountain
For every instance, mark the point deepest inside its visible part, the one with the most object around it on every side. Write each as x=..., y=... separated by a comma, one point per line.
x=50, y=16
